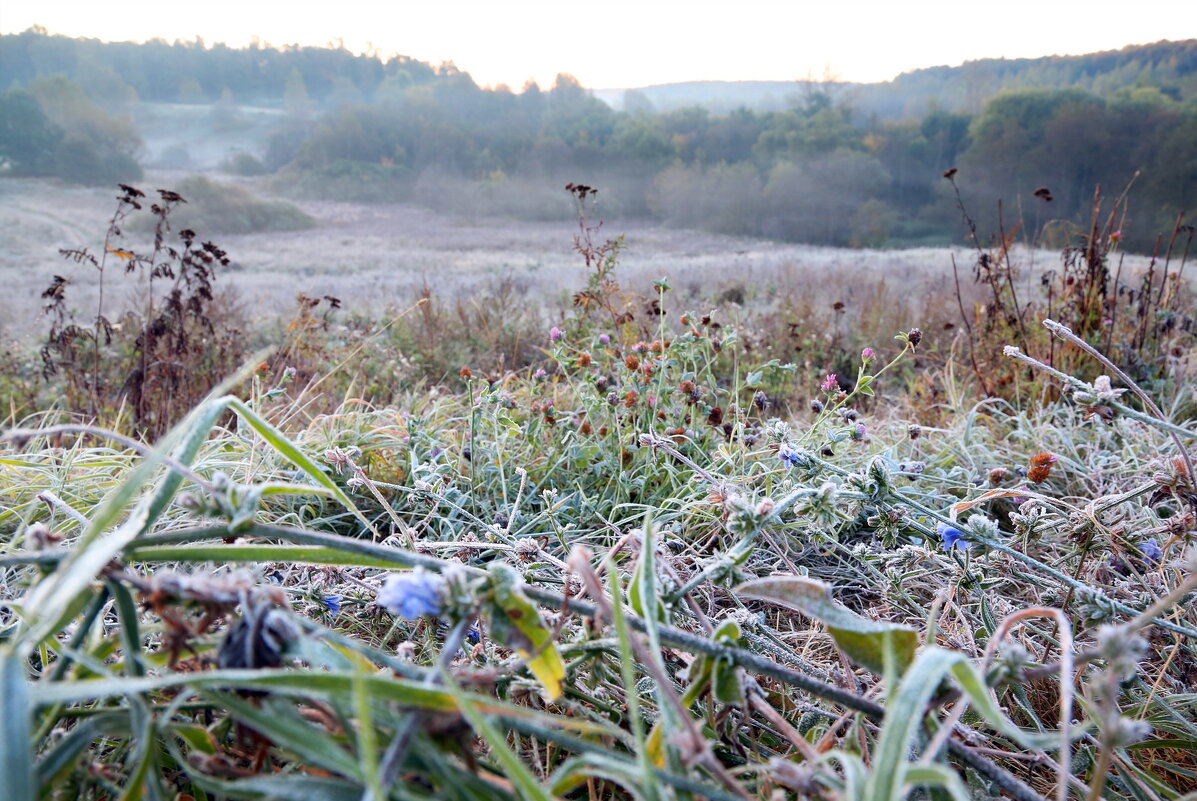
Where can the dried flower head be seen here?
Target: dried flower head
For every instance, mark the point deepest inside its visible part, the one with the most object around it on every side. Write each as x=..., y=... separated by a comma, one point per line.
x=1041, y=467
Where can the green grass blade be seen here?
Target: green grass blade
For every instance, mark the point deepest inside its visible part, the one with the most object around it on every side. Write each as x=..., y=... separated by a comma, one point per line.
x=16, y=748
x=291, y=554
x=277, y=721
x=285, y=447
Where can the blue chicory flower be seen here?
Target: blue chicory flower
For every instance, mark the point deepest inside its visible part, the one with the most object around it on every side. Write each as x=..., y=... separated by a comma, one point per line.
x=953, y=538
x=413, y=594
x=332, y=603
x=788, y=455
x=1152, y=553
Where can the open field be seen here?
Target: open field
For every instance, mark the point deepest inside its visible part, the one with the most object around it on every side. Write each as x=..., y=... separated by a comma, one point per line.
x=518, y=548
x=378, y=257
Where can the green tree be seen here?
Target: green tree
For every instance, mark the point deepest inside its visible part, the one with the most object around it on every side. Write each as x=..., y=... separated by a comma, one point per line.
x=295, y=95
x=27, y=136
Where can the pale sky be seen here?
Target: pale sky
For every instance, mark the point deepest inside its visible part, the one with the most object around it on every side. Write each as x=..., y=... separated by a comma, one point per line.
x=624, y=43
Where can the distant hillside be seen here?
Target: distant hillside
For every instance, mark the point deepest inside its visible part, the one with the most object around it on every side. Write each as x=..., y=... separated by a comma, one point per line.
x=1170, y=66
x=718, y=96
x=841, y=164
x=198, y=73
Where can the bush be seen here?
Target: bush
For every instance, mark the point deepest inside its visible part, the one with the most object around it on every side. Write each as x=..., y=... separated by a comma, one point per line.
x=351, y=181
x=224, y=209
x=77, y=159
x=245, y=164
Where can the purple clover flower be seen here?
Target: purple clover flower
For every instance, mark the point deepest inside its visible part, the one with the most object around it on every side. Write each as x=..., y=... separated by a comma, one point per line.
x=605, y=339
x=830, y=383
x=555, y=334
x=413, y=594
x=867, y=355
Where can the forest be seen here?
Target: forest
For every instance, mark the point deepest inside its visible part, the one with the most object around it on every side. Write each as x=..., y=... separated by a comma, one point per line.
x=839, y=164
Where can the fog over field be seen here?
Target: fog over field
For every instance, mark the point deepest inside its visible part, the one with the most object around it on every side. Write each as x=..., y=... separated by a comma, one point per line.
x=377, y=257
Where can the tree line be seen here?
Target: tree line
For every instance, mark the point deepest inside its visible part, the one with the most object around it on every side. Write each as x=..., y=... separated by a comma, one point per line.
x=820, y=170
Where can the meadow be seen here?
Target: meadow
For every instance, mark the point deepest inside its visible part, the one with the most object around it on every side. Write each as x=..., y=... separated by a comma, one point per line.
x=531, y=511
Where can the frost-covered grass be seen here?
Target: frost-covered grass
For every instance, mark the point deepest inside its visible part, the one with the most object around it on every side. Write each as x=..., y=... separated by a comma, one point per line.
x=619, y=575
x=721, y=535
x=380, y=257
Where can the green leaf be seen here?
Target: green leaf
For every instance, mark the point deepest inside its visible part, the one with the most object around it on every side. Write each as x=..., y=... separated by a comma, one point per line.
x=516, y=622
x=298, y=554
x=903, y=717
x=411, y=694
x=864, y=641
x=726, y=685
x=16, y=745
x=53, y=597
x=272, y=788
x=939, y=776
x=67, y=750
x=130, y=628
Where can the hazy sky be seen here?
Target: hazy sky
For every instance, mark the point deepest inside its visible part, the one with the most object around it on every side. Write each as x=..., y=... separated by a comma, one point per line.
x=621, y=43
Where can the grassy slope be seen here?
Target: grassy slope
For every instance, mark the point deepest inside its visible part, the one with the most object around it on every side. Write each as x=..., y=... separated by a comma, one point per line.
x=527, y=470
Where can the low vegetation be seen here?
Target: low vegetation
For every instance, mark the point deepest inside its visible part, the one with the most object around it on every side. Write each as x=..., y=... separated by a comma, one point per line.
x=638, y=552
x=217, y=208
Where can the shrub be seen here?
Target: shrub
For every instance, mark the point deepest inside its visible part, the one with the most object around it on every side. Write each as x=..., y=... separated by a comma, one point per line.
x=227, y=209
x=244, y=164
x=78, y=160
x=352, y=181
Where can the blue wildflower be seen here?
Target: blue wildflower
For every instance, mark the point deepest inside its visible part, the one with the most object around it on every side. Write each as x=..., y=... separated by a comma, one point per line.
x=332, y=603
x=413, y=594
x=953, y=538
x=1152, y=553
x=788, y=455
